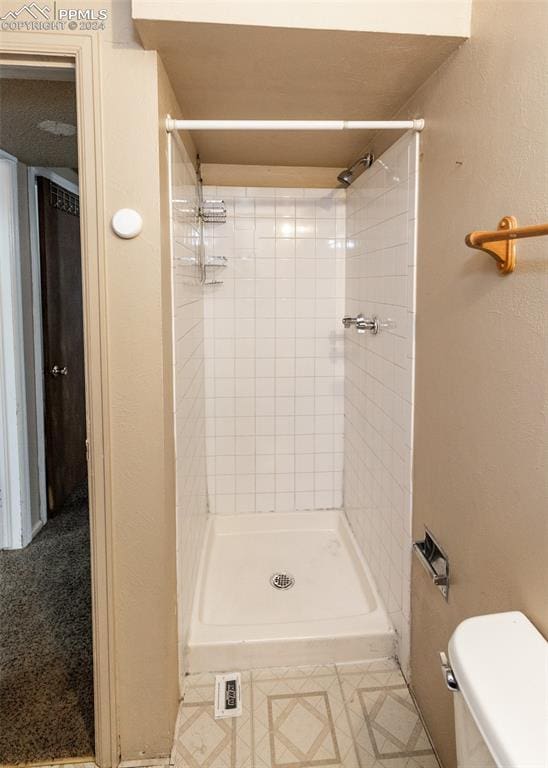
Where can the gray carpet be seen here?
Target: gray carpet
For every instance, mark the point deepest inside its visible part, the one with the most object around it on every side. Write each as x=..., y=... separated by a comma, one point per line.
x=46, y=671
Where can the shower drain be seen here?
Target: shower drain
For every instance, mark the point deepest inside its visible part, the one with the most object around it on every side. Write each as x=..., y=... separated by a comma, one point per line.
x=282, y=580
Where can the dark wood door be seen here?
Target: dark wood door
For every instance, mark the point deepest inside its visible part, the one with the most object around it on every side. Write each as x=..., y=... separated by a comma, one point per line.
x=63, y=340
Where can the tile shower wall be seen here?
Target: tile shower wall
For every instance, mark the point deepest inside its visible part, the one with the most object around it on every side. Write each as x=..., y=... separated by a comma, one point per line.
x=274, y=350
x=189, y=391
x=379, y=372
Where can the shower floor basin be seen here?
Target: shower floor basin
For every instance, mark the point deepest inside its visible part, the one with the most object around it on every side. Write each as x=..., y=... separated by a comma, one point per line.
x=331, y=613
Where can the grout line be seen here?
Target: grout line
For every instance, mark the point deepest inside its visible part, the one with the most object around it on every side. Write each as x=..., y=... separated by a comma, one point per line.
x=252, y=718
x=293, y=678
x=348, y=718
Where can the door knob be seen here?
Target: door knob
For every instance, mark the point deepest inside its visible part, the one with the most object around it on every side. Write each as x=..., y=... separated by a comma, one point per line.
x=57, y=371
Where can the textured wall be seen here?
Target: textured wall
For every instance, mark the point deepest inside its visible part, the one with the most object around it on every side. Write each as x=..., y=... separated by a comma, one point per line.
x=379, y=370
x=219, y=175
x=274, y=350
x=140, y=405
x=293, y=73
x=480, y=480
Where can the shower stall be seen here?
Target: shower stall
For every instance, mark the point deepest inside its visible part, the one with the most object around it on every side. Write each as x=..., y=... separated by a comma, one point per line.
x=294, y=429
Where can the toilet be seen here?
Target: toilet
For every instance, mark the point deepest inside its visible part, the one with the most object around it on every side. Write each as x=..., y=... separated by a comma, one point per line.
x=498, y=671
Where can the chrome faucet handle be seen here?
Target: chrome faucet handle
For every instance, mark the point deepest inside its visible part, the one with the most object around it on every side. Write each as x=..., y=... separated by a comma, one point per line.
x=362, y=323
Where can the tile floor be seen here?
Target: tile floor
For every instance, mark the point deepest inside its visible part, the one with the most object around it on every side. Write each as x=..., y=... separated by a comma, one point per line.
x=354, y=716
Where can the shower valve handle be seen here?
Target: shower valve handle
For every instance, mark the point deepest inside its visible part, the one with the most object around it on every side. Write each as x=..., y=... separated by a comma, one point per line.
x=362, y=323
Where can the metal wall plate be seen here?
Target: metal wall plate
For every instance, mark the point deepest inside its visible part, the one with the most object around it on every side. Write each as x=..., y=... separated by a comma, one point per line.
x=434, y=561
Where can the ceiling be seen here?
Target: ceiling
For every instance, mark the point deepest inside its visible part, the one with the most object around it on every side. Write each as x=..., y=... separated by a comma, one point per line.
x=24, y=103
x=232, y=71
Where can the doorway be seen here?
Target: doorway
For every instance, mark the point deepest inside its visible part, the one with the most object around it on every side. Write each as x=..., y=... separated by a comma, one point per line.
x=46, y=644
x=62, y=339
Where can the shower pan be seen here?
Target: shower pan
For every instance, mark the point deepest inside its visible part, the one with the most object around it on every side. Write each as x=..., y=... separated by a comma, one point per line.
x=284, y=590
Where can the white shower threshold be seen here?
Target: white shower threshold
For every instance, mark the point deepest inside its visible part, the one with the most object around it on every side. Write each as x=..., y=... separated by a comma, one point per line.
x=332, y=613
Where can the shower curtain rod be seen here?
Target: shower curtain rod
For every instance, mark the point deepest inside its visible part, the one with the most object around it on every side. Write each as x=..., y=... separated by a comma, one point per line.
x=292, y=125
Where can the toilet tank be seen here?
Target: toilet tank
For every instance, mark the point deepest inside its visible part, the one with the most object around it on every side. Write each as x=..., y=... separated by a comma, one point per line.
x=500, y=664
x=472, y=751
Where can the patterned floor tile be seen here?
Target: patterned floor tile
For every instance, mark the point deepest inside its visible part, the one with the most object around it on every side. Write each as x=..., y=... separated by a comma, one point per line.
x=372, y=673
x=385, y=724
x=350, y=716
x=281, y=673
x=203, y=742
x=300, y=720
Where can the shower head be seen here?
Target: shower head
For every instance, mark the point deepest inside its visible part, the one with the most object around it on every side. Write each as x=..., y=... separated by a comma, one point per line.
x=347, y=176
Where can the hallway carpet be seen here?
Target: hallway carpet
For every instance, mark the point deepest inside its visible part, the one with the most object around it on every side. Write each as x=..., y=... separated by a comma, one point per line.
x=46, y=670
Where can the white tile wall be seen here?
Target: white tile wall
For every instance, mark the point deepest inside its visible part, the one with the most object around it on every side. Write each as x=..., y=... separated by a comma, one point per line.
x=189, y=389
x=274, y=350
x=379, y=372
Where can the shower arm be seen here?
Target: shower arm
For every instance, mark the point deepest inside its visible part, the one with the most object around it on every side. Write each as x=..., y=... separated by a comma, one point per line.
x=293, y=125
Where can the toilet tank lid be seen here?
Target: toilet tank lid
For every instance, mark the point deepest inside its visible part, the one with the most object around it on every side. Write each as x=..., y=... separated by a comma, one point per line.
x=500, y=662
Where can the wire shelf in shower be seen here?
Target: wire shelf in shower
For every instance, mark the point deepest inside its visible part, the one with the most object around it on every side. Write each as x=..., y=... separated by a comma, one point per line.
x=213, y=211
x=217, y=261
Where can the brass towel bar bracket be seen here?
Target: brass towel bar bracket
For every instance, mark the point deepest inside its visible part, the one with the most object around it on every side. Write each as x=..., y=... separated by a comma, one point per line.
x=501, y=243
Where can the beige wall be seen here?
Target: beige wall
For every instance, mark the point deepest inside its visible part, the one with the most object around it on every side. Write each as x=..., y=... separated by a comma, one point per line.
x=480, y=480
x=296, y=74
x=221, y=175
x=141, y=433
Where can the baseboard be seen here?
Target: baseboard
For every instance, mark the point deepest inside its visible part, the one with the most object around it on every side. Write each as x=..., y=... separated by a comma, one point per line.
x=35, y=528
x=155, y=762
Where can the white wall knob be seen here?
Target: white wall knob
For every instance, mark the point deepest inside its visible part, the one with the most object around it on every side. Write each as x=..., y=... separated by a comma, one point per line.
x=127, y=223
